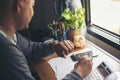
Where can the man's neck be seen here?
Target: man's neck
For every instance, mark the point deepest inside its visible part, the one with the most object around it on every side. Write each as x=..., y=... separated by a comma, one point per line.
x=8, y=29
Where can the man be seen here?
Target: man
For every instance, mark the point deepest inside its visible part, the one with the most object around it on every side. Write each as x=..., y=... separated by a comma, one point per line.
x=15, y=50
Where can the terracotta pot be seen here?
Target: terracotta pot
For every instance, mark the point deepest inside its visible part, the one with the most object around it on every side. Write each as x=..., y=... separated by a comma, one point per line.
x=71, y=33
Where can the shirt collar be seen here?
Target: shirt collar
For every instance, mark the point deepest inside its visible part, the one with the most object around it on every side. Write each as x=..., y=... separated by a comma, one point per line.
x=12, y=39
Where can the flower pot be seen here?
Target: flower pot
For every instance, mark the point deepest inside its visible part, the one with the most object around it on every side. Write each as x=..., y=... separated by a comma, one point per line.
x=76, y=37
x=71, y=33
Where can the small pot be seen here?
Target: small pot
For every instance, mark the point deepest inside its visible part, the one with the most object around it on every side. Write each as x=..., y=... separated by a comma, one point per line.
x=71, y=33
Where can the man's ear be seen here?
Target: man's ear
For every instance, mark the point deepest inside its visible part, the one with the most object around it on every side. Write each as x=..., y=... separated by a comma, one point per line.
x=18, y=5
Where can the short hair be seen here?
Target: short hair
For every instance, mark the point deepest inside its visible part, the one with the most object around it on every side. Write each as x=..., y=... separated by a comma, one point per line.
x=4, y=5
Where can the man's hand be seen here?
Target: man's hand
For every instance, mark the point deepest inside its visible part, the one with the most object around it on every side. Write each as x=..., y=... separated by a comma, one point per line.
x=63, y=48
x=84, y=66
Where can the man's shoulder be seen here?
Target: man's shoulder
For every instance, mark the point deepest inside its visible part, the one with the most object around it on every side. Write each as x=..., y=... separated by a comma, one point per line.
x=7, y=47
x=4, y=40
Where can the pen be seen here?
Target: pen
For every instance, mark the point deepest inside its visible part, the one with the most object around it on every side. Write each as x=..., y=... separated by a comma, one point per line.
x=94, y=56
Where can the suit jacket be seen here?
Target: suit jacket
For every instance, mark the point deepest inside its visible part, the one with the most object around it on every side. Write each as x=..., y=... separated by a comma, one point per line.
x=14, y=58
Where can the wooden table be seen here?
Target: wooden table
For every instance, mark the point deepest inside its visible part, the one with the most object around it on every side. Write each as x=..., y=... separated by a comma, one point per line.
x=44, y=70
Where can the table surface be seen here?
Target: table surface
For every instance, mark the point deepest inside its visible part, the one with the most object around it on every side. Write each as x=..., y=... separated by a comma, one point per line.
x=45, y=71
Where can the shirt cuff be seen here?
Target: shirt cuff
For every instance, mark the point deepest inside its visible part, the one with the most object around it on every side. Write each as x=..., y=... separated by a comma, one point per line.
x=73, y=76
x=76, y=75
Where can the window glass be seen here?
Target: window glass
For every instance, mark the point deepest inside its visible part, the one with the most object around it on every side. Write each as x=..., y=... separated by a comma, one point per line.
x=106, y=14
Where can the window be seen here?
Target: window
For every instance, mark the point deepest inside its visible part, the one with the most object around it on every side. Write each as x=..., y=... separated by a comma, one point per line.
x=103, y=24
x=106, y=14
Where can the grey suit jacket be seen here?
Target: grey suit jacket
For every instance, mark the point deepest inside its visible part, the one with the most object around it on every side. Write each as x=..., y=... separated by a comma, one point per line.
x=14, y=58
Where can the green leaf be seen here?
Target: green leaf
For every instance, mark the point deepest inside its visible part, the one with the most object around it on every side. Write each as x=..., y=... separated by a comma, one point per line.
x=73, y=20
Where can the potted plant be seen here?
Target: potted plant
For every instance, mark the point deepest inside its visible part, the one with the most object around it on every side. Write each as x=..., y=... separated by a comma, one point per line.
x=73, y=22
x=57, y=30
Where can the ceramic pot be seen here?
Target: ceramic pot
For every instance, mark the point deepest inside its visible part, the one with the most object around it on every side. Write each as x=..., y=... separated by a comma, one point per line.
x=71, y=33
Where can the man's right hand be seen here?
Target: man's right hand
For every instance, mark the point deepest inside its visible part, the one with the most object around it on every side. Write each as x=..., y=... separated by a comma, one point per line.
x=84, y=66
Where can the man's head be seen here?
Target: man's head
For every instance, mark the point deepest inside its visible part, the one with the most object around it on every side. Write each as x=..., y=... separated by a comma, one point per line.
x=18, y=12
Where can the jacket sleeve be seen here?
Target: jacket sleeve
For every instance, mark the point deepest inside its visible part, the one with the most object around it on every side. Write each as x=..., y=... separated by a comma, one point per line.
x=72, y=76
x=34, y=51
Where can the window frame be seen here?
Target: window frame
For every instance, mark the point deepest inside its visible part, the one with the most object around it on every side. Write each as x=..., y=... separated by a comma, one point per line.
x=105, y=41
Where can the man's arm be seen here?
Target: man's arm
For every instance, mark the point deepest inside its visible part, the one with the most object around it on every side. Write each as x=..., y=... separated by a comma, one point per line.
x=34, y=51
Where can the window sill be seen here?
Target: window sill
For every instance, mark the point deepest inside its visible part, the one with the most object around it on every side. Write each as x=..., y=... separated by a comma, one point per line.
x=108, y=45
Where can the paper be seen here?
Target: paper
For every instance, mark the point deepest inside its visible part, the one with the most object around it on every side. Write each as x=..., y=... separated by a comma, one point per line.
x=63, y=66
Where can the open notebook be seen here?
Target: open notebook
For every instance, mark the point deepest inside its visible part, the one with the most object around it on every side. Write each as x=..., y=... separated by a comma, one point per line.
x=62, y=66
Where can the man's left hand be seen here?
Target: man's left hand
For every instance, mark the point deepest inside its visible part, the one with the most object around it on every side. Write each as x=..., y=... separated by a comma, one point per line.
x=63, y=48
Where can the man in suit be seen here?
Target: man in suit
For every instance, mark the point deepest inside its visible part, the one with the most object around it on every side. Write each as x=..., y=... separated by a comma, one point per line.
x=16, y=51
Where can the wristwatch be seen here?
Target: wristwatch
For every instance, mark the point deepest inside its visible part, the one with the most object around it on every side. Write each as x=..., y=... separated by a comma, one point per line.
x=53, y=43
